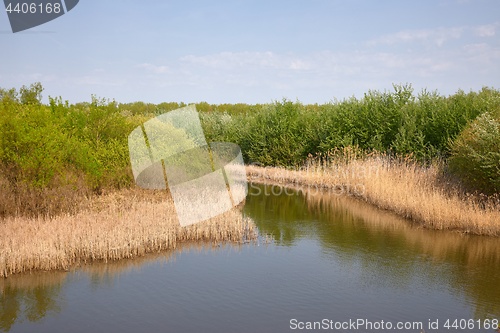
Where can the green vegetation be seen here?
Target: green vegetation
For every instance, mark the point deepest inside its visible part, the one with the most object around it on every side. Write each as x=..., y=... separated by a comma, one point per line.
x=285, y=133
x=463, y=128
x=476, y=153
x=53, y=155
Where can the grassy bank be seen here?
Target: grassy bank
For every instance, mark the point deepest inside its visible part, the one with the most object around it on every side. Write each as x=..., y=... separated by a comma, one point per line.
x=53, y=155
x=120, y=225
x=422, y=194
x=58, y=161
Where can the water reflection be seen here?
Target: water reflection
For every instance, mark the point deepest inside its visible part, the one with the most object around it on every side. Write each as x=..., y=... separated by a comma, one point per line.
x=380, y=250
x=33, y=296
x=356, y=233
x=29, y=297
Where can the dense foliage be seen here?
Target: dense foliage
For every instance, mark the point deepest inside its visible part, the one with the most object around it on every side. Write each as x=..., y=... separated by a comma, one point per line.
x=285, y=133
x=476, y=153
x=83, y=147
x=51, y=155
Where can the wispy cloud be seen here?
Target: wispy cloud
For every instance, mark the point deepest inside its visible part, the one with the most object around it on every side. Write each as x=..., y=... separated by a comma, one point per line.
x=232, y=60
x=488, y=30
x=97, y=80
x=318, y=64
x=154, y=68
x=437, y=36
x=483, y=56
x=471, y=61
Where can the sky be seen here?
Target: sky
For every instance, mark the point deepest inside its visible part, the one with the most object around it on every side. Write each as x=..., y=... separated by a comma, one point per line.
x=253, y=51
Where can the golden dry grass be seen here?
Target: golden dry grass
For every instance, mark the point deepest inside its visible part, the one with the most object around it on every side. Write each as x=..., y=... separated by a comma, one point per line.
x=120, y=225
x=398, y=185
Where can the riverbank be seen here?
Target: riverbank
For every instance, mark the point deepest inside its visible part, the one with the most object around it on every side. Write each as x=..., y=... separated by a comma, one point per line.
x=119, y=225
x=406, y=188
x=131, y=223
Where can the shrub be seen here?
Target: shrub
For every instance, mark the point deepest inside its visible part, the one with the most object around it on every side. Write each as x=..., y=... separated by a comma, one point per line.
x=86, y=144
x=476, y=153
x=277, y=136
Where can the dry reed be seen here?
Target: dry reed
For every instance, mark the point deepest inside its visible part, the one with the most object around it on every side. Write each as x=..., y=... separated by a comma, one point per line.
x=402, y=186
x=120, y=225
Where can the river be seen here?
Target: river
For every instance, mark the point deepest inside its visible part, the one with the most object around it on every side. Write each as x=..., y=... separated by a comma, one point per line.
x=321, y=261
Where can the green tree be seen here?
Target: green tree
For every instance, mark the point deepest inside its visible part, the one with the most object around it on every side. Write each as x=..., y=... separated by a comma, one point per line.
x=475, y=154
x=31, y=94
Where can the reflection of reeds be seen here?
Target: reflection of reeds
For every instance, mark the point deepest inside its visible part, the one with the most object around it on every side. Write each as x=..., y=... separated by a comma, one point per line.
x=33, y=281
x=404, y=187
x=120, y=225
x=33, y=296
x=473, y=250
x=101, y=271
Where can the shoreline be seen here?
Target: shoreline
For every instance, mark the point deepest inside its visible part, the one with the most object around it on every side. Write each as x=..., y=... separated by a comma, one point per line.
x=404, y=189
x=132, y=223
x=120, y=225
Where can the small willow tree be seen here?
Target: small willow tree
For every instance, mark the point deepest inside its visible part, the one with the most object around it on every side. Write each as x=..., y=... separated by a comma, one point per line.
x=475, y=154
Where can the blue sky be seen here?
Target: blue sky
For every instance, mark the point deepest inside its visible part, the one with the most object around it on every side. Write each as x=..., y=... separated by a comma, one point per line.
x=255, y=51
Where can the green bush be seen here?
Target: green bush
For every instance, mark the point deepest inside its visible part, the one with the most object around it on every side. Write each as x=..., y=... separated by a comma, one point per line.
x=31, y=143
x=277, y=136
x=40, y=143
x=397, y=122
x=86, y=144
x=475, y=154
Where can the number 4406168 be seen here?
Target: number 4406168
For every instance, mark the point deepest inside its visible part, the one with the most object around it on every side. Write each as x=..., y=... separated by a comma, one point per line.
x=463, y=324
x=33, y=8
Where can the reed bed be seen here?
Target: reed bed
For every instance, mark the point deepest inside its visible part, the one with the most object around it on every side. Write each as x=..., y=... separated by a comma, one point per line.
x=119, y=225
x=405, y=187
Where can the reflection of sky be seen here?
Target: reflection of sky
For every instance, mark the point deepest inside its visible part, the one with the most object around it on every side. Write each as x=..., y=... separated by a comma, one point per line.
x=341, y=263
x=390, y=251
x=254, y=288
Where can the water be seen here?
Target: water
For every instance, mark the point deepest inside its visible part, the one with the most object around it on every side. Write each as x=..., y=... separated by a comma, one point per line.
x=320, y=259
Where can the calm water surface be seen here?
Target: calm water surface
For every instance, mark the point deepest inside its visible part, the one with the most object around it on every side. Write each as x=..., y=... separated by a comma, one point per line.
x=319, y=257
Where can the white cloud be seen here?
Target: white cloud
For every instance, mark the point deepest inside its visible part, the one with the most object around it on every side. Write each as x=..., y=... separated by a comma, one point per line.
x=154, y=68
x=488, y=30
x=97, y=80
x=437, y=36
x=234, y=60
x=483, y=56
x=319, y=76
x=251, y=65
